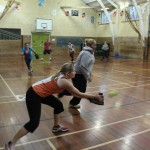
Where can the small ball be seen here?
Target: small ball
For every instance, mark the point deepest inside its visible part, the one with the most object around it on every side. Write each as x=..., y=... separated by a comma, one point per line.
x=112, y=93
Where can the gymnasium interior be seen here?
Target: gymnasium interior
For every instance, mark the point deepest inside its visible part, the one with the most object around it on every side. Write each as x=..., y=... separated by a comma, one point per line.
x=122, y=123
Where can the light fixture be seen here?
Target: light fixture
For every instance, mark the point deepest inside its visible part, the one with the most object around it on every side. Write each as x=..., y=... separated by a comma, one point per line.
x=124, y=5
x=105, y=8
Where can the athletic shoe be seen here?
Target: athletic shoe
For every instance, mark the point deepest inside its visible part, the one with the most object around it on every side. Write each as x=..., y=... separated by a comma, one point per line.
x=9, y=146
x=59, y=128
x=29, y=73
x=74, y=106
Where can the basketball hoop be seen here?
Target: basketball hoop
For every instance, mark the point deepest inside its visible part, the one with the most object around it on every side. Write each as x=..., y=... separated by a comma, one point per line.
x=44, y=26
x=44, y=29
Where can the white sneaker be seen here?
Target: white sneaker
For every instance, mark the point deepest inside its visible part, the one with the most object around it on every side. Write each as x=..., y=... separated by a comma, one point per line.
x=30, y=73
x=74, y=106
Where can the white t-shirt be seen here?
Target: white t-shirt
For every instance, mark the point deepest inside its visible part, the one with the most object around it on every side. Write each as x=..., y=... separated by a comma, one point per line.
x=71, y=48
x=105, y=47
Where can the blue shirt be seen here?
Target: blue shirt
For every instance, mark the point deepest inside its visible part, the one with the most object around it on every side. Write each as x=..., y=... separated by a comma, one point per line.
x=27, y=53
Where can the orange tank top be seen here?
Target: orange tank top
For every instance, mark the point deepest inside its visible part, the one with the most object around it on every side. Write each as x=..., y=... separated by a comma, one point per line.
x=47, y=86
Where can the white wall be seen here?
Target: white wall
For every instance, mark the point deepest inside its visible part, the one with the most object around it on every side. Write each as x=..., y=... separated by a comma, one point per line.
x=62, y=25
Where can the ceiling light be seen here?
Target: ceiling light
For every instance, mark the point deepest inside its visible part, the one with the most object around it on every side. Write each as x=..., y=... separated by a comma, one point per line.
x=105, y=8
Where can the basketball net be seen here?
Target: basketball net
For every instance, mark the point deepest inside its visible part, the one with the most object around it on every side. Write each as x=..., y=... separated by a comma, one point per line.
x=44, y=29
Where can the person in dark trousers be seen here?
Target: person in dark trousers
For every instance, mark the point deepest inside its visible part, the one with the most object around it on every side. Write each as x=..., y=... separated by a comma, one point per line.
x=47, y=49
x=83, y=44
x=105, y=49
x=83, y=68
x=28, y=57
x=71, y=50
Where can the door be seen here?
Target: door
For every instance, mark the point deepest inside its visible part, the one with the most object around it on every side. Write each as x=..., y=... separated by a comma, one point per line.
x=38, y=39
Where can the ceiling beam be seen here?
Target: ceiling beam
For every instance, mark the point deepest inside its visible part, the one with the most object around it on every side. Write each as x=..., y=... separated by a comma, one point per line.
x=8, y=5
x=89, y=1
x=112, y=3
x=141, y=23
x=109, y=19
x=144, y=5
x=75, y=7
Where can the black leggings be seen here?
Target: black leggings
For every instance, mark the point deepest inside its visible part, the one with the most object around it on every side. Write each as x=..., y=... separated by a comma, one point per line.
x=33, y=102
x=80, y=83
x=28, y=63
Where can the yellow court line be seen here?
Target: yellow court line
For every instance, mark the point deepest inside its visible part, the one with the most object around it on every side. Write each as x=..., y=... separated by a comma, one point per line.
x=80, y=131
x=51, y=145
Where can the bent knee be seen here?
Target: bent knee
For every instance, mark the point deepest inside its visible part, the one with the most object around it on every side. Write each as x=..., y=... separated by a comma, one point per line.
x=59, y=108
x=31, y=127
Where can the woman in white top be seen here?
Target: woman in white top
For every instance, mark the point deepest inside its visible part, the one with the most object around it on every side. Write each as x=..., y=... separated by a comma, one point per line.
x=105, y=49
x=71, y=50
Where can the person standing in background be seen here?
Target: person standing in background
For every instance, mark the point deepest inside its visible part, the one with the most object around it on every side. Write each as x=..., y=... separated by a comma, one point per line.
x=105, y=49
x=71, y=50
x=83, y=44
x=47, y=49
x=83, y=68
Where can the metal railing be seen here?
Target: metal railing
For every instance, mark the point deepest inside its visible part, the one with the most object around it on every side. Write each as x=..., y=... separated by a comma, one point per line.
x=6, y=35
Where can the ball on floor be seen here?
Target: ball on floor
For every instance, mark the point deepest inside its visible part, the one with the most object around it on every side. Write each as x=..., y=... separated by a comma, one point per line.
x=112, y=93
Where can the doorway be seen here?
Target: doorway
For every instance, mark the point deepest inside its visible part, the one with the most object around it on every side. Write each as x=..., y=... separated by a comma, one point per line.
x=38, y=39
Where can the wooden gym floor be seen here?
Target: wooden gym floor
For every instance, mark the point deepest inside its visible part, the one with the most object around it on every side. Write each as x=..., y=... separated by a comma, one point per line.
x=123, y=123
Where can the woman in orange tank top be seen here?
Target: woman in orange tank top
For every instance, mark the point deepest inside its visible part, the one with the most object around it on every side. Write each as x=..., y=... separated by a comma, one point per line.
x=42, y=93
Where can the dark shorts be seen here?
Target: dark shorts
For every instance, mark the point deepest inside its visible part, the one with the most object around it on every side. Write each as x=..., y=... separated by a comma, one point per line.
x=46, y=52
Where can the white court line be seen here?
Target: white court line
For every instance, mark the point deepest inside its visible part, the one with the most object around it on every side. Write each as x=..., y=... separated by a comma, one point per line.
x=127, y=68
x=125, y=88
x=71, y=133
x=86, y=92
x=119, y=84
x=122, y=88
x=6, y=96
x=116, y=140
x=123, y=82
x=8, y=86
x=114, y=80
x=51, y=145
x=120, y=66
x=91, y=87
x=9, y=102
